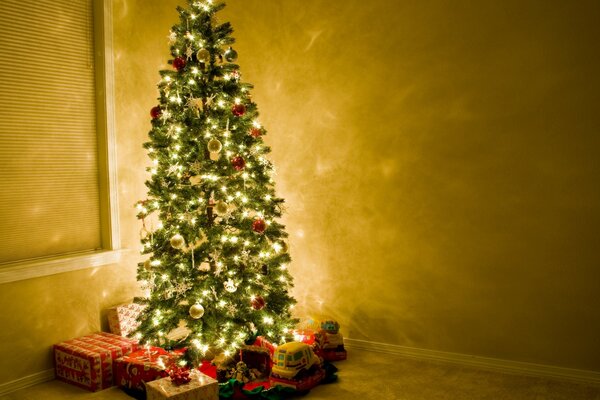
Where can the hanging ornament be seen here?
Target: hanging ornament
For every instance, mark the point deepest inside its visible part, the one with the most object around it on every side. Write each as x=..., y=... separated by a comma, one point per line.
x=179, y=63
x=238, y=163
x=284, y=247
x=195, y=180
x=172, y=37
x=204, y=266
x=196, y=105
x=265, y=269
x=258, y=303
x=215, y=156
x=221, y=207
x=155, y=112
x=230, y=54
x=238, y=110
x=189, y=53
x=196, y=311
x=214, y=146
x=230, y=286
x=255, y=132
x=259, y=225
x=203, y=56
x=177, y=241
x=147, y=265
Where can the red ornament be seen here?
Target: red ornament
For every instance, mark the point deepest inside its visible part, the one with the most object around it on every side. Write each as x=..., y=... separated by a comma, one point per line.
x=238, y=163
x=259, y=225
x=256, y=132
x=238, y=110
x=155, y=112
x=179, y=63
x=258, y=303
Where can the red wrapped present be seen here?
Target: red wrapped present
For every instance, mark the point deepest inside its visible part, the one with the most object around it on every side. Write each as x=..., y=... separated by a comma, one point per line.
x=87, y=362
x=200, y=387
x=262, y=342
x=144, y=365
x=122, y=319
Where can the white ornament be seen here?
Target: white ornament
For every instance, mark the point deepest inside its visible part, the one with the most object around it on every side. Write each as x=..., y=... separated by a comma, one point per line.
x=230, y=286
x=196, y=311
x=204, y=267
x=172, y=37
x=177, y=241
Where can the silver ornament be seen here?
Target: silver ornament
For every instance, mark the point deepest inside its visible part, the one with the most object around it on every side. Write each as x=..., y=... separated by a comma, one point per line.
x=230, y=55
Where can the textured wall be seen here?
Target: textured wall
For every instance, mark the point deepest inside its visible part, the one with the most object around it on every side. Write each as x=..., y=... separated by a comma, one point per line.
x=438, y=160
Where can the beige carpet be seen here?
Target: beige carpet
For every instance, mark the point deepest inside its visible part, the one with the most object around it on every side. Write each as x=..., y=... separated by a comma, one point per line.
x=367, y=375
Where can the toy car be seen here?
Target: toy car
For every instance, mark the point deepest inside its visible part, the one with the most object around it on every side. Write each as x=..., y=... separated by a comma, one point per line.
x=295, y=365
x=332, y=341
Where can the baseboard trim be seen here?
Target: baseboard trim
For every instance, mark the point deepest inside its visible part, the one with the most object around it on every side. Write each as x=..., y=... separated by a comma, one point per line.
x=30, y=380
x=513, y=367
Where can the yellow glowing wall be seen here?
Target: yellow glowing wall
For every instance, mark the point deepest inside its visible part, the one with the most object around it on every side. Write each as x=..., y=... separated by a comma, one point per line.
x=439, y=162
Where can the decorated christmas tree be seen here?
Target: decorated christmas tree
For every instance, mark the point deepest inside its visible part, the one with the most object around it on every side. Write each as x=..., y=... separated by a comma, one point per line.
x=216, y=254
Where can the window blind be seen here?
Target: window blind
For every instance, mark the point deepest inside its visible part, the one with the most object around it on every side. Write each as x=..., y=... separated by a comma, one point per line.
x=49, y=195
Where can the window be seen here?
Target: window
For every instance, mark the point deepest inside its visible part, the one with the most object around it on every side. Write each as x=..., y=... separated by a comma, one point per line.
x=58, y=208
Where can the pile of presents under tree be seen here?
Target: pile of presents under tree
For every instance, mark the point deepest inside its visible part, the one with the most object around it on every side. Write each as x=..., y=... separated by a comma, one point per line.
x=259, y=371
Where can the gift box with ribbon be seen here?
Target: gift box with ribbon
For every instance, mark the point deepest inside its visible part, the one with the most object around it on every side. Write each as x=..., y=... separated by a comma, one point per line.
x=199, y=387
x=145, y=365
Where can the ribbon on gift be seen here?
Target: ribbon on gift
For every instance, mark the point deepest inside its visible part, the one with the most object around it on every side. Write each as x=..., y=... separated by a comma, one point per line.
x=179, y=376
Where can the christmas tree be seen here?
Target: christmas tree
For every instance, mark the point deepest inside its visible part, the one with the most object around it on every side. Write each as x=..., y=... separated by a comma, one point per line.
x=217, y=256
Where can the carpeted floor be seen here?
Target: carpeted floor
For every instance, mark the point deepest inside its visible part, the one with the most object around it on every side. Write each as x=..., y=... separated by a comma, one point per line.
x=367, y=375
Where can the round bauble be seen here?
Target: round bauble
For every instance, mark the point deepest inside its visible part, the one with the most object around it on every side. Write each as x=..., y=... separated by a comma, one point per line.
x=177, y=241
x=196, y=311
x=265, y=269
x=203, y=56
x=221, y=207
x=230, y=286
x=179, y=63
x=259, y=225
x=258, y=303
x=155, y=112
x=238, y=110
x=238, y=163
x=214, y=146
x=147, y=265
x=230, y=54
x=255, y=132
x=284, y=247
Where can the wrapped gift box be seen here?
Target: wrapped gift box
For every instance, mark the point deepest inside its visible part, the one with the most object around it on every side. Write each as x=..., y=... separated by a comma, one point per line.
x=144, y=365
x=262, y=342
x=87, y=362
x=122, y=319
x=201, y=387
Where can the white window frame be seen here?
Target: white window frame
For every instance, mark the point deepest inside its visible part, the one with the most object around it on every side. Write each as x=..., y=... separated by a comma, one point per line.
x=107, y=167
